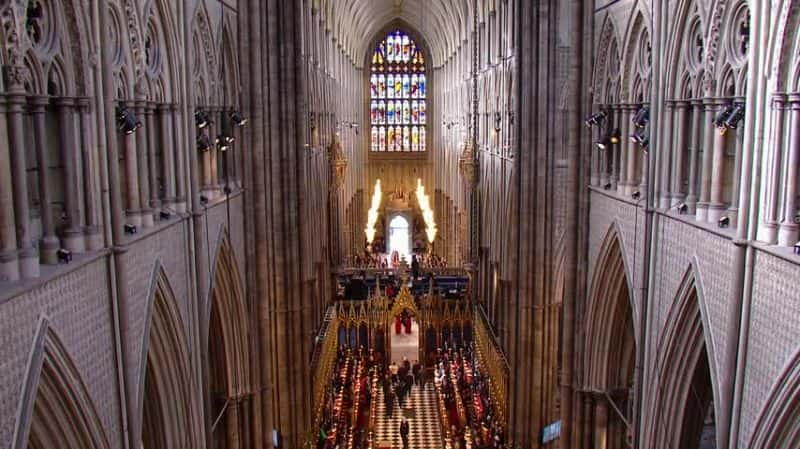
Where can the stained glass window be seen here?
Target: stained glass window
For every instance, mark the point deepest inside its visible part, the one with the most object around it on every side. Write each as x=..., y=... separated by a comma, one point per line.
x=398, y=90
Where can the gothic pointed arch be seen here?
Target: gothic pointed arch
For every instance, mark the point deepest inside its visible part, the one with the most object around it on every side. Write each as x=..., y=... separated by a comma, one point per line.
x=683, y=407
x=610, y=342
x=606, y=68
x=778, y=426
x=56, y=409
x=166, y=407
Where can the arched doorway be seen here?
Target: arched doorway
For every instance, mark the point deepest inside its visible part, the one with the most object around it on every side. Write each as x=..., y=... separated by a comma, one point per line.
x=400, y=236
x=682, y=414
x=610, y=350
x=57, y=410
x=168, y=406
x=228, y=352
x=404, y=328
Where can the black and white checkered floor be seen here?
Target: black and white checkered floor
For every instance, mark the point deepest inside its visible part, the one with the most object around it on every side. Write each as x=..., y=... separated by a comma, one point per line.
x=423, y=421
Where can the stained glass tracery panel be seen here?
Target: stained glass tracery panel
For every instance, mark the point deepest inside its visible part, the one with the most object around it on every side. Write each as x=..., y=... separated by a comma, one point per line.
x=398, y=93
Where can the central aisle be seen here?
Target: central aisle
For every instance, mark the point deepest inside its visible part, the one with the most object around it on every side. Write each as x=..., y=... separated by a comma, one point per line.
x=423, y=421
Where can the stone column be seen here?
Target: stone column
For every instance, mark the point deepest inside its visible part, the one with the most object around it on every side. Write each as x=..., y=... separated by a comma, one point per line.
x=634, y=154
x=717, y=208
x=180, y=151
x=9, y=266
x=143, y=166
x=28, y=256
x=694, y=151
x=595, y=176
x=91, y=178
x=168, y=174
x=625, y=148
x=600, y=422
x=736, y=177
x=232, y=424
x=788, y=232
x=709, y=131
x=73, y=235
x=664, y=158
x=132, y=200
x=216, y=130
x=49, y=243
x=774, y=169
x=153, y=168
x=615, y=118
x=681, y=139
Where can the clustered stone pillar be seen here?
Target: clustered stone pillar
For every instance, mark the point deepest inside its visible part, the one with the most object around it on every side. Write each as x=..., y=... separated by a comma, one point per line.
x=9, y=267
x=73, y=235
x=168, y=175
x=679, y=151
x=132, y=201
x=143, y=169
x=625, y=148
x=27, y=254
x=694, y=154
x=634, y=153
x=91, y=177
x=788, y=232
x=615, y=117
x=181, y=197
x=150, y=123
x=663, y=188
x=716, y=208
x=774, y=168
x=710, y=109
x=49, y=243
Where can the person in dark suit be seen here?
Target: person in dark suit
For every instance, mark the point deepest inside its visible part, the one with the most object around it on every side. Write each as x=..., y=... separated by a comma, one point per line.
x=404, y=432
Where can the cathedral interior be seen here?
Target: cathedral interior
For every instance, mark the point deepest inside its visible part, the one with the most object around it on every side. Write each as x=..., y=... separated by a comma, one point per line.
x=385, y=224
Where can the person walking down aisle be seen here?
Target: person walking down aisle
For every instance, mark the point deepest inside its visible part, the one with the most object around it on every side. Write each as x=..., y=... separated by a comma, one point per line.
x=404, y=432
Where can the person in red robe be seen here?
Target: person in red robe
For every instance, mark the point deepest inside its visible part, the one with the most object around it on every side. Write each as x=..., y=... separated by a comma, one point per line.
x=408, y=324
x=397, y=324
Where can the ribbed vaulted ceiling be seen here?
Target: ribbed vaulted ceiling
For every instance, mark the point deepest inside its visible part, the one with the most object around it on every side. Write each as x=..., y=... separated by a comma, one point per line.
x=443, y=23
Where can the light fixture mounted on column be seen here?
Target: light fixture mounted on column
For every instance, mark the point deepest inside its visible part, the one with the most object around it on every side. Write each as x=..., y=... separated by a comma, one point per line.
x=238, y=119
x=64, y=255
x=130, y=229
x=729, y=118
x=642, y=117
x=201, y=119
x=636, y=195
x=224, y=142
x=611, y=138
x=595, y=119
x=724, y=222
x=498, y=121
x=683, y=208
x=797, y=248
x=127, y=123
x=641, y=138
x=203, y=142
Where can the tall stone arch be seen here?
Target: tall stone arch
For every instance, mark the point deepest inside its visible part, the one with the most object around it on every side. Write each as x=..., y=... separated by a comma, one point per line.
x=683, y=378
x=56, y=409
x=610, y=346
x=227, y=339
x=166, y=406
x=778, y=425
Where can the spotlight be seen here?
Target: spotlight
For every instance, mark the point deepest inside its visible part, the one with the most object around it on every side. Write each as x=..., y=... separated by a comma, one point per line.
x=224, y=142
x=595, y=119
x=165, y=215
x=498, y=120
x=238, y=119
x=201, y=119
x=797, y=248
x=736, y=116
x=636, y=195
x=64, y=255
x=203, y=200
x=226, y=190
x=611, y=138
x=312, y=119
x=641, y=138
x=642, y=117
x=127, y=122
x=203, y=142
x=724, y=222
x=607, y=186
x=683, y=208
x=130, y=229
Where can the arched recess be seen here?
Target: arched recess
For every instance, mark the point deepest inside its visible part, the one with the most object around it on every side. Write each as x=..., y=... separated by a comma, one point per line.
x=610, y=354
x=228, y=343
x=56, y=409
x=166, y=406
x=778, y=426
x=681, y=413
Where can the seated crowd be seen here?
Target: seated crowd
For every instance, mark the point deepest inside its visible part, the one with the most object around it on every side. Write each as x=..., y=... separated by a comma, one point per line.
x=465, y=402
